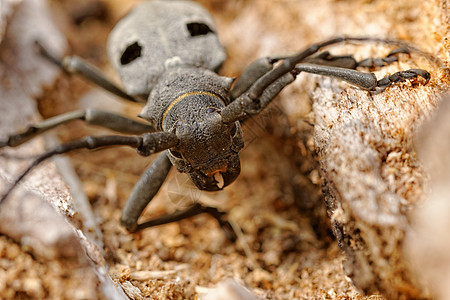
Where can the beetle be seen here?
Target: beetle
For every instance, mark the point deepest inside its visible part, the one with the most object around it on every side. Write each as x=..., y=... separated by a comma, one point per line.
x=167, y=54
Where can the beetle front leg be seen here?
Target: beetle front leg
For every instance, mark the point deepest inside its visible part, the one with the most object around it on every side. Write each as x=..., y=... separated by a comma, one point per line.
x=245, y=106
x=252, y=73
x=144, y=191
x=251, y=102
x=263, y=65
x=367, y=81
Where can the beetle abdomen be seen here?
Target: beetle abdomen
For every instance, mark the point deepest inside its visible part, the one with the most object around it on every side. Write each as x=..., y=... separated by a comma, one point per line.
x=158, y=35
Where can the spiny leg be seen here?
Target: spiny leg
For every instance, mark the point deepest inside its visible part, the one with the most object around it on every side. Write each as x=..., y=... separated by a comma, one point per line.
x=290, y=62
x=76, y=65
x=245, y=106
x=145, y=145
x=342, y=67
x=102, y=118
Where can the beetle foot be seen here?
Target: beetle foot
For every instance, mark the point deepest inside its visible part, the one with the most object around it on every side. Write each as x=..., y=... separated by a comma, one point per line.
x=387, y=81
x=224, y=224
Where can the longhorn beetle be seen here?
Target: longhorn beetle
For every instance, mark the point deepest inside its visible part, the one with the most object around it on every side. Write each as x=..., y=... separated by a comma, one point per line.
x=166, y=53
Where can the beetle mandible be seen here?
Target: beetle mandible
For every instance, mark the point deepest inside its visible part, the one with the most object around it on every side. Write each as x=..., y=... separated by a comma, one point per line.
x=167, y=54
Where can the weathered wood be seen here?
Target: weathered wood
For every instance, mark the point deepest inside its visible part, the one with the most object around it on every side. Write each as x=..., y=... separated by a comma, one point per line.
x=373, y=178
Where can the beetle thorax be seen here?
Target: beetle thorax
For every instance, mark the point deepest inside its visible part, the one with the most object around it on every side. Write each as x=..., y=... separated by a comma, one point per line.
x=187, y=101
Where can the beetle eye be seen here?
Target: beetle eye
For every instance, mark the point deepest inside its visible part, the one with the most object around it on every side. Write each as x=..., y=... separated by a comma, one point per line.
x=131, y=53
x=176, y=153
x=233, y=130
x=210, y=110
x=196, y=29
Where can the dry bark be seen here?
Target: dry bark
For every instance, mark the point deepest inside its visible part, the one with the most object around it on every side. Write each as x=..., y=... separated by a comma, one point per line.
x=373, y=178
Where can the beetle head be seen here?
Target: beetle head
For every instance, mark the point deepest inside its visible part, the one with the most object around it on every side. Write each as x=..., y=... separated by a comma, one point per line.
x=208, y=149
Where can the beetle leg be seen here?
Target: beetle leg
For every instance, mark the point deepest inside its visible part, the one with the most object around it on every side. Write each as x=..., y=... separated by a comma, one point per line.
x=191, y=211
x=252, y=73
x=145, y=144
x=97, y=117
x=144, y=191
x=76, y=65
x=367, y=81
x=250, y=102
x=342, y=67
x=244, y=107
x=388, y=80
x=263, y=65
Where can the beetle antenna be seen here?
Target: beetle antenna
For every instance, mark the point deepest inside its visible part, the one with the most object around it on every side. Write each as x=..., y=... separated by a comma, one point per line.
x=24, y=173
